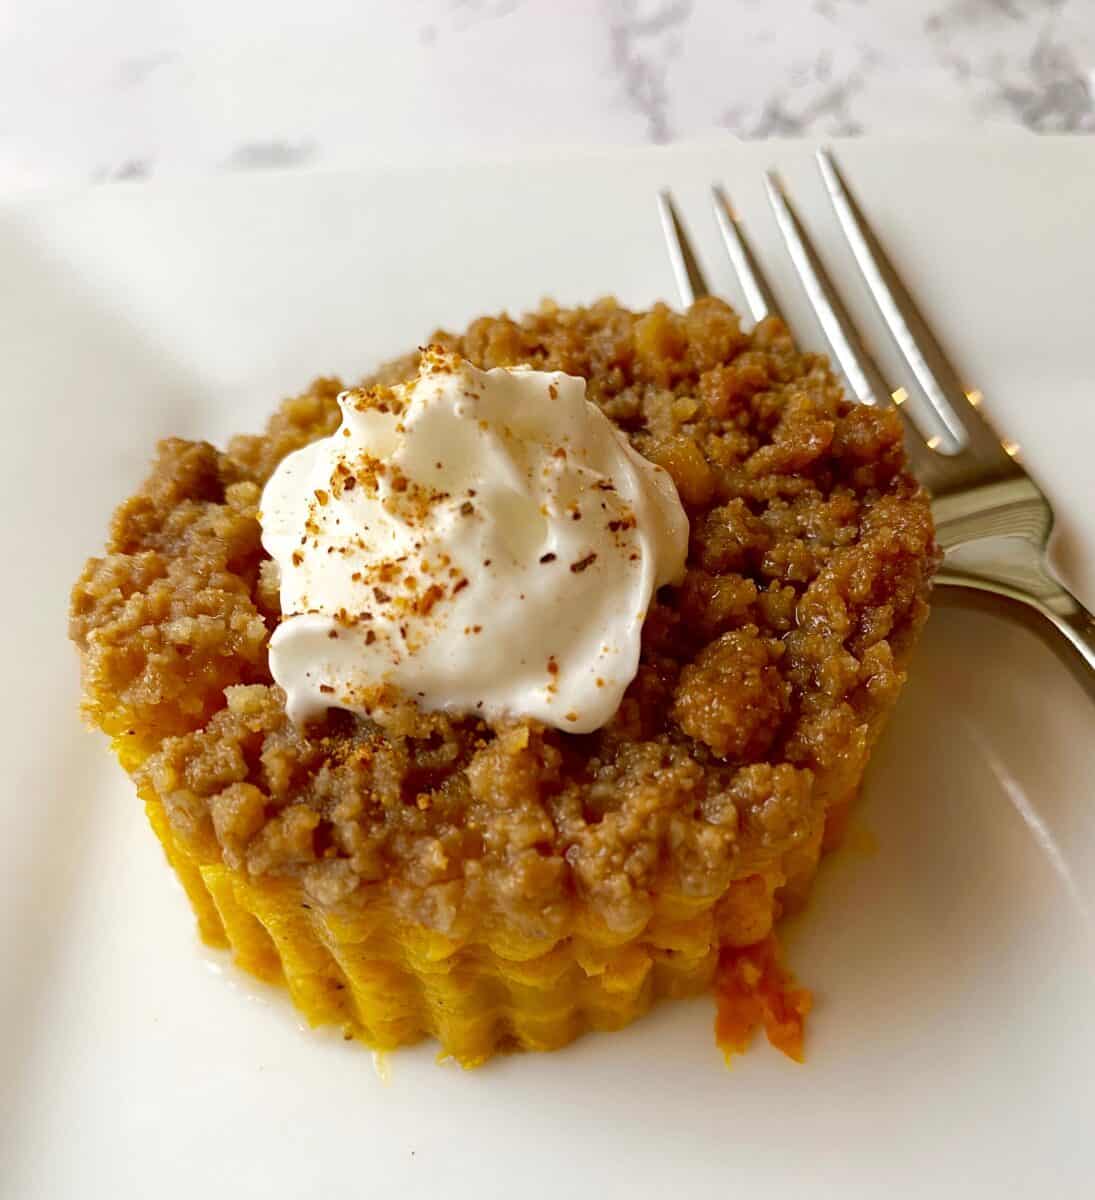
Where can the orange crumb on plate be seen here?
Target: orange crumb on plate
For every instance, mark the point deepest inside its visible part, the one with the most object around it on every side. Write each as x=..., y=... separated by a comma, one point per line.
x=752, y=989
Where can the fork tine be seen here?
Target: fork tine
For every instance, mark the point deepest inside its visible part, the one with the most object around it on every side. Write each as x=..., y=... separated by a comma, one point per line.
x=932, y=369
x=858, y=367
x=687, y=272
x=758, y=294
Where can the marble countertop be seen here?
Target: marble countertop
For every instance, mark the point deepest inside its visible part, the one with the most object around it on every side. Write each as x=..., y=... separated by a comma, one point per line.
x=122, y=89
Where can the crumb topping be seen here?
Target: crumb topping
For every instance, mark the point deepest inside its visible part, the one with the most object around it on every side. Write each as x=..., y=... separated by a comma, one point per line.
x=762, y=676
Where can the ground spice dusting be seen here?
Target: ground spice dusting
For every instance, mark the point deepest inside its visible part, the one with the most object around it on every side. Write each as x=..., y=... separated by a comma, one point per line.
x=763, y=681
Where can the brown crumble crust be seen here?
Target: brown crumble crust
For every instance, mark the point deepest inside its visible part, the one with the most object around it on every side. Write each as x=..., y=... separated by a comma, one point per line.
x=762, y=681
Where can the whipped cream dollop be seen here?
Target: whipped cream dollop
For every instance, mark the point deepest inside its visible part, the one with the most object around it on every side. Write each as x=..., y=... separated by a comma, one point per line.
x=478, y=542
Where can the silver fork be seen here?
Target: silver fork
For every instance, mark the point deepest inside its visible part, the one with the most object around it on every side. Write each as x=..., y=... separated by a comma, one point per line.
x=992, y=520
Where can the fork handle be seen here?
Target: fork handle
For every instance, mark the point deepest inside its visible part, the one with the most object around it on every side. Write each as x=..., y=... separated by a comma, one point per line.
x=1052, y=612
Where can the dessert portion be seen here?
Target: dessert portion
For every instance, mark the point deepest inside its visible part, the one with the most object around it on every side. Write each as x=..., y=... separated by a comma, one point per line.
x=432, y=847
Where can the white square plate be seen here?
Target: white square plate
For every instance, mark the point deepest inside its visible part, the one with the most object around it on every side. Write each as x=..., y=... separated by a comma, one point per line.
x=952, y=1051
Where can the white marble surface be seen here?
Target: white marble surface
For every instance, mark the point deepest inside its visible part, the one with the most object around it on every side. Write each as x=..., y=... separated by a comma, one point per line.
x=116, y=89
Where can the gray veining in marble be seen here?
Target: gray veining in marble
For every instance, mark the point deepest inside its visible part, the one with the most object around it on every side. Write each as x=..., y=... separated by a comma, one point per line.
x=123, y=89
x=644, y=45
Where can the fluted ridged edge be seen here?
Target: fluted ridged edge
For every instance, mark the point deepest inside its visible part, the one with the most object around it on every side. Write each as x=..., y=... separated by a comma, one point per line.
x=388, y=983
